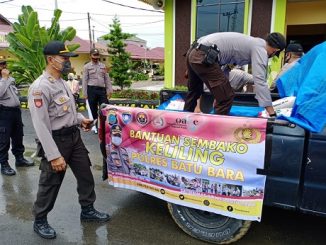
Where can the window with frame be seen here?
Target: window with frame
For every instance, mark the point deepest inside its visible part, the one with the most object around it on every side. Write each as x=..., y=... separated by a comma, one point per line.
x=219, y=16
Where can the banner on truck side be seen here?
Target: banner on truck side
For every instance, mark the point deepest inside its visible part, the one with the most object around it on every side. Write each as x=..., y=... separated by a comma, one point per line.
x=206, y=162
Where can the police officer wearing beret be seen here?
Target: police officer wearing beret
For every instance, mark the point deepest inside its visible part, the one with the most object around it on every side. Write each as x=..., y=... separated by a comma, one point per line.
x=57, y=123
x=209, y=53
x=97, y=87
x=11, y=125
x=117, y=156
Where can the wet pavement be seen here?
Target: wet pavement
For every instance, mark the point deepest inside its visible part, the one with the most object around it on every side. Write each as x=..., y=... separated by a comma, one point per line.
x=137, y=219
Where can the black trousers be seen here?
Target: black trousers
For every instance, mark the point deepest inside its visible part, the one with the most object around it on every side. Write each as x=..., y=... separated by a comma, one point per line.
x=96, y=97
x=214, y=79
x=11, y=127
x=75, y=154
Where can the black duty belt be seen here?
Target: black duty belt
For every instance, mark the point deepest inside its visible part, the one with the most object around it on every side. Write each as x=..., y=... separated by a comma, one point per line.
x=96, y=87
x=203, y=47
x=8, y=108
x=65, y=131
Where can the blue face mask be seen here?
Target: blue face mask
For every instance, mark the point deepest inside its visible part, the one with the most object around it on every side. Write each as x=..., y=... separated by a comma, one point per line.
x=116, y=140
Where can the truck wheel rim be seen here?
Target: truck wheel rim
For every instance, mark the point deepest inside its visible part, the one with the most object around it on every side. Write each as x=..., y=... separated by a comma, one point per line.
x=206, y=219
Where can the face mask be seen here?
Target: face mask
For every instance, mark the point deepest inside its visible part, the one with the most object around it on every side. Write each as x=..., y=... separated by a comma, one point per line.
x=65, y=66
x=116, y=140
x=95, y=60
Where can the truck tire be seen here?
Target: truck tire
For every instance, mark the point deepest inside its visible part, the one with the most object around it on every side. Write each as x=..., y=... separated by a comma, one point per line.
x=208, y=226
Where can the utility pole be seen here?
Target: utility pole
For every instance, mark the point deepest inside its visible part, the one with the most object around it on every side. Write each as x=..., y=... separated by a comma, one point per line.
x=93, y=37
x=89, y=31
x=229, y=14
x=234, y=17
x=55, y=4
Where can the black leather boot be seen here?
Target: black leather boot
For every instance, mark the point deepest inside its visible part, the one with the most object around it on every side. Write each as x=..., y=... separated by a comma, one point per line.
x=43, y=229
x=23, y=162
x=89, y=213
x=6, y=169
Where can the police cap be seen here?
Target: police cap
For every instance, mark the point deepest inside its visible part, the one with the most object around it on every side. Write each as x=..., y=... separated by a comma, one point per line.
x=58, y=48
x=294, y=47
x=95, y=51
x=276, y=40
x=116, y=129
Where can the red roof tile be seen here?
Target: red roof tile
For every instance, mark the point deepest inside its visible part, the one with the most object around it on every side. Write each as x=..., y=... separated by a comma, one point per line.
x=84, y=45
x=142, y=53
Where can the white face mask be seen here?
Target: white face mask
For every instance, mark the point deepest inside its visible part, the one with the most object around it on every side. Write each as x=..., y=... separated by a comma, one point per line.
x=116, y=140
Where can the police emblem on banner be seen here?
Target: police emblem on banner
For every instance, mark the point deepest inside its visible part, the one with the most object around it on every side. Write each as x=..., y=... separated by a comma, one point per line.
x=158, y=122
x=247, y=135
x=126, y=117
x=112, y=116
x=142, y=118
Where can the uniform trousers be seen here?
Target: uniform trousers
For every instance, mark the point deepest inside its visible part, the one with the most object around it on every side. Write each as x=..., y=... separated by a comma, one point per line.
x=11, y=127
x=215, y=80
x=96, y=97
x=76, y=156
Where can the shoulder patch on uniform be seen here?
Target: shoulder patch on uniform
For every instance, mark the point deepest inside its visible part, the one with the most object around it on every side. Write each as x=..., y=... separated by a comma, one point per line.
x=38, y=103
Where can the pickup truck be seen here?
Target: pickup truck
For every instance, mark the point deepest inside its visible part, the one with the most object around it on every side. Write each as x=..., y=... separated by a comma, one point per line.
x=295, y=167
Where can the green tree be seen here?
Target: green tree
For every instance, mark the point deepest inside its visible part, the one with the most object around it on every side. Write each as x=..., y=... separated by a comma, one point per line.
x=27, y=41
x=120, y=59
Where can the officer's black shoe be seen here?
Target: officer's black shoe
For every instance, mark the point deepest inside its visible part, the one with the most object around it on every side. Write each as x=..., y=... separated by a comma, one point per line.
x=23, y=162
x=6, y=169
x=43, y=229
x=89, y=213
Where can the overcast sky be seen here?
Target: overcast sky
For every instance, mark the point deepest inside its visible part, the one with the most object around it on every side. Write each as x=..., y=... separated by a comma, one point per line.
x=145, y=24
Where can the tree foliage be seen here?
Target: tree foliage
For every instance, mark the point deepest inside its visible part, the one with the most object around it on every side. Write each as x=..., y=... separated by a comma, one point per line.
x=27, y=41
x=120, y=59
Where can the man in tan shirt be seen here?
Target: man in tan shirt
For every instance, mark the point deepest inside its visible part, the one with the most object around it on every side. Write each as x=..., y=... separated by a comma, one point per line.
x=11, y=125
x=97, y=86
x=56, y=123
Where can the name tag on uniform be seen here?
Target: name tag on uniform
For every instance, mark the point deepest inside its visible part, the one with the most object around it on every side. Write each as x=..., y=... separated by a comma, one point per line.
x=57, y=93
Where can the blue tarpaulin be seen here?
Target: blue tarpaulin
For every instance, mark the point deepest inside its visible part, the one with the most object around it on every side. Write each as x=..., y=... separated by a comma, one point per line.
x=307, y=81
x=247, y=111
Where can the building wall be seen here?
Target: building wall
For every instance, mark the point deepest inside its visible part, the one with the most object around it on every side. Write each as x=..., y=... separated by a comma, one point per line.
x=183, y=38
x=169, y=37
x=261, y=18
x=79, y=62
x=306, y=13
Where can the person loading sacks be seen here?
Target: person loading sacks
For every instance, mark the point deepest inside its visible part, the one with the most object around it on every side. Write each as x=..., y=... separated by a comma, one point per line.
x=209, y=53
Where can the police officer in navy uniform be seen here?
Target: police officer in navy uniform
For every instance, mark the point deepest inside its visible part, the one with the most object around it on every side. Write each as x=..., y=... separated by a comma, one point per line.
x=11, y=125
x=57, y=123
x=118, y=158
x=97, y=86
